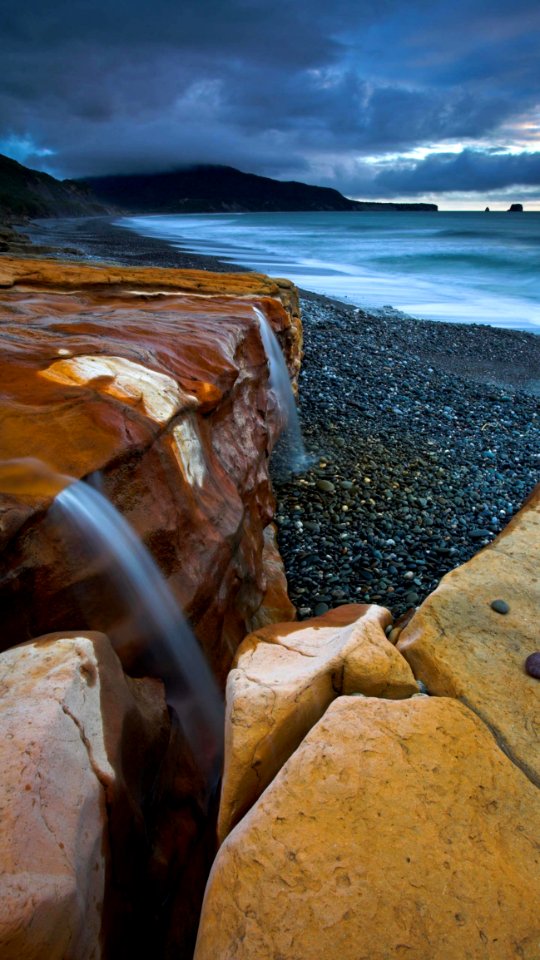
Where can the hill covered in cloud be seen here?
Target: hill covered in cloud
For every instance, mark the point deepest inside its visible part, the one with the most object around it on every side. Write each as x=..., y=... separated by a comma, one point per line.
x=201, y=189
x=381, y=101
x=220, y=189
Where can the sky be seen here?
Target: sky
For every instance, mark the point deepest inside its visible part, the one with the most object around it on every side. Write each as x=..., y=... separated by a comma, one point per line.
x=408, y=100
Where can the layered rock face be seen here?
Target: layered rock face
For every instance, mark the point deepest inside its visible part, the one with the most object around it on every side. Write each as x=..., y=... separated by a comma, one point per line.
x=81, y=747
x=156, y=383
x=154, y=386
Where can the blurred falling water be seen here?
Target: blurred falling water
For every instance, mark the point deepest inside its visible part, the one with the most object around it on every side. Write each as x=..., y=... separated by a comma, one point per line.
x=291, y=451
x=171, y=651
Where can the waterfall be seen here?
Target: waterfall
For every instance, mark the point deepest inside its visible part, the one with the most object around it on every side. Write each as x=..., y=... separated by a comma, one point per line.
x=291, y=448
x=173, y=652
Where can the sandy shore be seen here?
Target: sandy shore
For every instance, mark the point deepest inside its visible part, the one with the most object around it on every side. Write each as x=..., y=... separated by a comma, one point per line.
x=424, y=436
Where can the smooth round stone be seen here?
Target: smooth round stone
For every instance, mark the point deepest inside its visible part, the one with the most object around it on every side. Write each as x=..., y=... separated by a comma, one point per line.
x=411, y=598
x=326, y=486
x=321, y=608
x=500, y=606
x=532, y=664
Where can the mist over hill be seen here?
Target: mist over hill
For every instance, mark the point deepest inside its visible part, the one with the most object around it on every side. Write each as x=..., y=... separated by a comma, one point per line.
x=208, y=188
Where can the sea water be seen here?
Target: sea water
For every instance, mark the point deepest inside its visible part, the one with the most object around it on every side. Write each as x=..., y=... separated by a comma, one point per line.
x=458, y=267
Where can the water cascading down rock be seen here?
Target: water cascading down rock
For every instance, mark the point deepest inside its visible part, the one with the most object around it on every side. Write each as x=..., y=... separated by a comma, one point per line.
x=293, y=457
x=153, y=386
x=158, y=380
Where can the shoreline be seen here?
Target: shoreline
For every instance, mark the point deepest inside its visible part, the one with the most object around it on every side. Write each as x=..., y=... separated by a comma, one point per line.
x=426, y=441
x=99, y=239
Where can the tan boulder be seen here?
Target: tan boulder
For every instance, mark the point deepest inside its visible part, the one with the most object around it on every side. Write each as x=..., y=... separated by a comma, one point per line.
x=75, y=736
x=461, y=647
x=397, y=829
x=282, y=681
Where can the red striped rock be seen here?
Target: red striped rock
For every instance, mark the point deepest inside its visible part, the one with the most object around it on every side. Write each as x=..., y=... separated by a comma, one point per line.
x=158, y=381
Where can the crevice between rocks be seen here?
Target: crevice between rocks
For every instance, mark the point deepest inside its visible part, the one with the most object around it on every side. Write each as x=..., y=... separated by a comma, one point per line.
x=501, y=742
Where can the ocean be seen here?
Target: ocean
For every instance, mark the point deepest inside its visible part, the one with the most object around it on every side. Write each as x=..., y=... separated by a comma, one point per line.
x=457, y=267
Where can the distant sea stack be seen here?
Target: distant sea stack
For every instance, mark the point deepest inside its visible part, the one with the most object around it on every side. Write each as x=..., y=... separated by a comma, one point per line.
x=208, y=188
x=515, y=208
x=487, y=210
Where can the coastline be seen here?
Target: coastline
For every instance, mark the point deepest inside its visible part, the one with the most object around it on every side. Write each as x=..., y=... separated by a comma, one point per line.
x=425, y=435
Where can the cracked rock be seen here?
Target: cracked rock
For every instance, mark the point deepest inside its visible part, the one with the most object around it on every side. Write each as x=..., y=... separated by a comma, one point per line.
x=283, y=679
x=397, y=828
x=462, y=649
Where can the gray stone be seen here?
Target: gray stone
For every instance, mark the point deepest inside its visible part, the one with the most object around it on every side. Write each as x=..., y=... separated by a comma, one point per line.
x=532, y=664
x=326, y=486
x=321, y=608
x=500, y=606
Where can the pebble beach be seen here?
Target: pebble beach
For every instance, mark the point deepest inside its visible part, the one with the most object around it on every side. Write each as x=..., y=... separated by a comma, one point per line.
x=423, y=436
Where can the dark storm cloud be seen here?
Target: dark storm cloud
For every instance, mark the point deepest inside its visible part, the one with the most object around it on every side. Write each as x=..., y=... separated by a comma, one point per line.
x=468, y=171
x=286, y=89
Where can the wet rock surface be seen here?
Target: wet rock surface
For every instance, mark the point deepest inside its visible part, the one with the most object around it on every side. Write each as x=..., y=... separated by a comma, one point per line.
x=394, y=828
x=156, y=384
x=417, y=466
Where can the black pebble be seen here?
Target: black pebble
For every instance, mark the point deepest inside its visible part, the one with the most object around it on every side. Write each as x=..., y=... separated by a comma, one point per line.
x=500, y=606
x=532, y=664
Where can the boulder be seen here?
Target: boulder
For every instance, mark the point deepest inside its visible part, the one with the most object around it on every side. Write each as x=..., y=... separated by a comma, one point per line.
x=80, y=748
x=283, y=679
x=462, y=644
x=397, y=828
x=155, y=383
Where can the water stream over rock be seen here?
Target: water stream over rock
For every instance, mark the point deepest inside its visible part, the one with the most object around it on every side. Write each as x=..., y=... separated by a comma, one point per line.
x=290, y=450
x=147, y=605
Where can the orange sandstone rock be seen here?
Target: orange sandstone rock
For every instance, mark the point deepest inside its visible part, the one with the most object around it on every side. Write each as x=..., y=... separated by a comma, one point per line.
x=397, y=828
x=284, y=678
x=157, y=381
x=33, y=275
x=461, y=647
x=275, y=606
